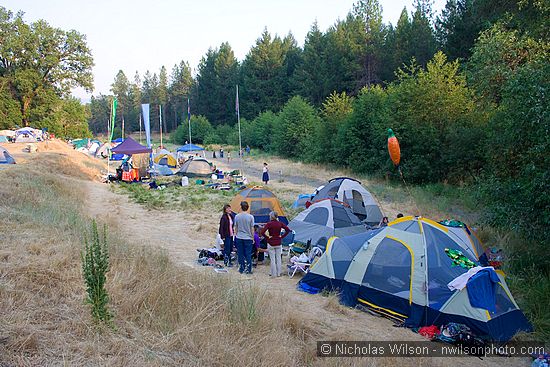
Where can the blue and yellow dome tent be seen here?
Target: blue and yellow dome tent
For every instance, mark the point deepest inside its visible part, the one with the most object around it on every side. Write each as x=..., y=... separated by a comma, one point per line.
x=402, y=272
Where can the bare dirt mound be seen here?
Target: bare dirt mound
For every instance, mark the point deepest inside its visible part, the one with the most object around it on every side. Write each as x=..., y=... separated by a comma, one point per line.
x=53, y=154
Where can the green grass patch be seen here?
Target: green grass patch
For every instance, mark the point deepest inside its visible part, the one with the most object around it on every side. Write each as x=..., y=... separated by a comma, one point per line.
x=175, y=197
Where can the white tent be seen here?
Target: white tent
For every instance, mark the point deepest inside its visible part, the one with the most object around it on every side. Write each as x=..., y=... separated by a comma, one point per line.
x=25, y=135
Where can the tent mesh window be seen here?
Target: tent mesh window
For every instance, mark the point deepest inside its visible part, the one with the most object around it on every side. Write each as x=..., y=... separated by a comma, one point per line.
x=318, y=216
x=502, y=302
x=333, y=191
x=440, y=267
x=260, y=207
x=390, y=269
x=356, y=203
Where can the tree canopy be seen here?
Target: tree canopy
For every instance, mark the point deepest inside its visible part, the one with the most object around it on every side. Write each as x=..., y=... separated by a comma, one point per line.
x=39, y=64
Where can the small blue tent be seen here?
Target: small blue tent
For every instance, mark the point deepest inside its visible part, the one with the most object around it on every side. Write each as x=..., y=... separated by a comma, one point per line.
x=5, y=157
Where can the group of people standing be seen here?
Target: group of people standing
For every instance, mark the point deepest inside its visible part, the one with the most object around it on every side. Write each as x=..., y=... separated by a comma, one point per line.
x=239, y=231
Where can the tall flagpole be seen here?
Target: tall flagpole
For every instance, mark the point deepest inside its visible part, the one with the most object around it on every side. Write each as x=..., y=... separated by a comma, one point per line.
x=189, y=119
x=160, y=123
x=239, y=124
x=109, y=139
x=112, y=123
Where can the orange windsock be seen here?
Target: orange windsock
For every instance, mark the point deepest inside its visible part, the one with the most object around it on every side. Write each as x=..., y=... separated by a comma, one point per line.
x=393, y=148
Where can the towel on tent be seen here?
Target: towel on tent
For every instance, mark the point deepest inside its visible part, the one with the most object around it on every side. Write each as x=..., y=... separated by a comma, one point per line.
x=460, y=281
x=482, y=288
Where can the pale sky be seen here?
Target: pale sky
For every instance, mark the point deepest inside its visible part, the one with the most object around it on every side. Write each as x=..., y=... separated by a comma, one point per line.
x=139, y=35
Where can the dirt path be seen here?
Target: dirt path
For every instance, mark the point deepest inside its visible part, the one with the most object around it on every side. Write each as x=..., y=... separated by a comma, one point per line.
x=279, y=170
x=180, y=234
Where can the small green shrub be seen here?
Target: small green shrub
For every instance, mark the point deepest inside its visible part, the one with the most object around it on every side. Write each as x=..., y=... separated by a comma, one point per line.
x=95, y=265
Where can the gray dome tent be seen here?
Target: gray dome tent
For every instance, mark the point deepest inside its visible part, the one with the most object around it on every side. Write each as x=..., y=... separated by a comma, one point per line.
x=324, y=219
x=195, y=167
x=352, y=193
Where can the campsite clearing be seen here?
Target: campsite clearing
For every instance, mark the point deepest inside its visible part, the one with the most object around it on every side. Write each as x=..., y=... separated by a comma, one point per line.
x=177, y=233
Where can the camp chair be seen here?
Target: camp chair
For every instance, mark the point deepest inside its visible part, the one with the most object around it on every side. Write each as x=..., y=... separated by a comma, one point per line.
x=298, y=248
x=298, y=267
x=298, y=263
x=303, y=262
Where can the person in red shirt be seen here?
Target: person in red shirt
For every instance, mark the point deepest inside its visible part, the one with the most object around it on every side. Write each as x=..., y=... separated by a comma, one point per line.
x=272, y=232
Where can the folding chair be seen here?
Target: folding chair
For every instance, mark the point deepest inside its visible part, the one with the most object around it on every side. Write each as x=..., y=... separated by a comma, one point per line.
x=297, y=267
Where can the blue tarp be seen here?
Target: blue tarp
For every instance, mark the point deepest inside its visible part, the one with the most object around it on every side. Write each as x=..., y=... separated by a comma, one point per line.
x=117, y=157
x=189, y=148
x=302, y=199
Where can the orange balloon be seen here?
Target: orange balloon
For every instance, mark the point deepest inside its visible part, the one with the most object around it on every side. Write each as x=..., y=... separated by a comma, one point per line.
x=393, y=148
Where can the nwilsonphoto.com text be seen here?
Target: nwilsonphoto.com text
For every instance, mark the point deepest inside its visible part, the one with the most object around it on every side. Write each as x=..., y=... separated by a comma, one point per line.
x=424, y=349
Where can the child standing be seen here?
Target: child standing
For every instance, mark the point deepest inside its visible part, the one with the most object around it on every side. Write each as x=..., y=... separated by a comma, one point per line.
x=265, y=175
x=256, y=249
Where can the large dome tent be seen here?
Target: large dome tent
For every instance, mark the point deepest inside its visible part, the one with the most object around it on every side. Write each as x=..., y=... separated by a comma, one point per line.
x=404, y=270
